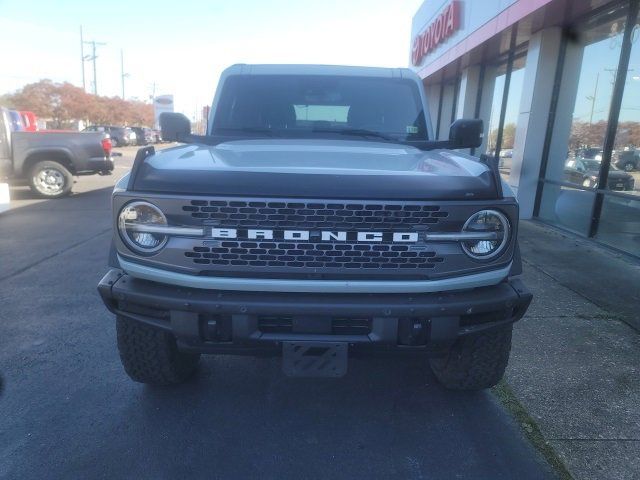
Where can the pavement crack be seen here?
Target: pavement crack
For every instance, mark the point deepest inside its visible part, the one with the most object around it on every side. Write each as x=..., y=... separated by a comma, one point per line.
x=53, y=255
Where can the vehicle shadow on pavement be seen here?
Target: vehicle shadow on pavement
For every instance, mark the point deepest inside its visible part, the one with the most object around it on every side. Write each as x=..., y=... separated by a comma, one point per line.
x=242, y=418
x=43, y=228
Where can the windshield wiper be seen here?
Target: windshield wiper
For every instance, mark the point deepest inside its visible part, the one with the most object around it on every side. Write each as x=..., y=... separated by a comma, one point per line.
x=356, y=132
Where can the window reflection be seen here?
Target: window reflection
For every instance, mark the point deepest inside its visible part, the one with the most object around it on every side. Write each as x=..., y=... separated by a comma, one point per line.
x=589, y=75
x=511, y=117
x=620, y=218
x=496, y=105
x=626, y=155
x=505, y=149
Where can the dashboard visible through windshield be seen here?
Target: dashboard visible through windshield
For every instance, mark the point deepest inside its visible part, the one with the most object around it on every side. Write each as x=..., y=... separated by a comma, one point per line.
x=303, y=106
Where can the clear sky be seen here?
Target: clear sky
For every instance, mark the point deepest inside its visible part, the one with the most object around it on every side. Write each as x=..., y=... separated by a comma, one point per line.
x=183, y=46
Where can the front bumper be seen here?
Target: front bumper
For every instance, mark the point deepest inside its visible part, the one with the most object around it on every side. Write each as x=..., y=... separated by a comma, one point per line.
x=217, y=321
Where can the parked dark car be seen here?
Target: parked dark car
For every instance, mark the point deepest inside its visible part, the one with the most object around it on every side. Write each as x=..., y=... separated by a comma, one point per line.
x=120, y=136
x=585, y=172
x=47, y=161
x=149, y=135
x=144, y=135
x=140, y=139
x=628, y=160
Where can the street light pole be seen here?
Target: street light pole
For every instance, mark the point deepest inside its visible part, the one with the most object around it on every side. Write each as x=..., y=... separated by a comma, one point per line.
x=84, y=83
x=122, y=74
x=593, y=98
x=95, y=72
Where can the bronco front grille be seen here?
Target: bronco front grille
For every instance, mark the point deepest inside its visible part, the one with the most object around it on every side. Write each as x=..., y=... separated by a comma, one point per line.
x=342, y=259
x=314, y=255
x=333, y=246
x=310, y=215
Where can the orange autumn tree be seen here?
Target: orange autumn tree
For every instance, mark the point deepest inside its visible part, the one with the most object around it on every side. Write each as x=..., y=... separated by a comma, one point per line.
x=64, y=103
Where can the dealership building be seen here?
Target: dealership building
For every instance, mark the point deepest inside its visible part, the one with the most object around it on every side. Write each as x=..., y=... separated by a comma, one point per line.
x=557, y=83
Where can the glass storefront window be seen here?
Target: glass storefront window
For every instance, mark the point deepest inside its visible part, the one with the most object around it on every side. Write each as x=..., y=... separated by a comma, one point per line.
x=496, y=105
x=511, y=117
x=505, y=149
x=619, y=223
x=624, y=173
x=567, y=207
x=589, y=74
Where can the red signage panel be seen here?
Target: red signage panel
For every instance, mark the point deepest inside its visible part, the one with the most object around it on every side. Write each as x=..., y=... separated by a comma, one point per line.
x=445, y=25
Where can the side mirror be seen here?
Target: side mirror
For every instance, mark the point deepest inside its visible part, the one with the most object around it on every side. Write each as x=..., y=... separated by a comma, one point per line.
x=174, y=126
x=466, y=133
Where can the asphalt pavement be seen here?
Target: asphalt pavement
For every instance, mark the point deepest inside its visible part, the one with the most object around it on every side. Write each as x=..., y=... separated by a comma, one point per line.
x=69, y=411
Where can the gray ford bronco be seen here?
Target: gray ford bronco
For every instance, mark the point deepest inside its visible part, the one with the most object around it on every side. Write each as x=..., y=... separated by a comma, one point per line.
x=316, y=219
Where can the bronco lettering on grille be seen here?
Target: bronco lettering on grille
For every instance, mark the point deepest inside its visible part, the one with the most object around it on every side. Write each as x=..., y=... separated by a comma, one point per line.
x=306, y=235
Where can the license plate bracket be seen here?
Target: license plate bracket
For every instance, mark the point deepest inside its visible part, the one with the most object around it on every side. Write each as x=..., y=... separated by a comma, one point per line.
x=314, y=359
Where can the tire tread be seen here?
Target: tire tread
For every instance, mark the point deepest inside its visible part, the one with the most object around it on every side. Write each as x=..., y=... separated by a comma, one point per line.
x=150, y=355
x=475, y=362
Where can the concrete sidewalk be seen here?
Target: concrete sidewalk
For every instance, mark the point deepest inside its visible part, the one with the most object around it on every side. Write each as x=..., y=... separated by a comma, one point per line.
x=575, y=364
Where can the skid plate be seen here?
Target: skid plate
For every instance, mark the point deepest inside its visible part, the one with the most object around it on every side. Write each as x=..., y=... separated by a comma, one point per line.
x=314, y=359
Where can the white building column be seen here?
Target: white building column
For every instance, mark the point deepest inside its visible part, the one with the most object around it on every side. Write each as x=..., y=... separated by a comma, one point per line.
x=468, y=94
x=432, y=91
x=469, y=85
x=448, y=99
x=486, y=102
x=533, y=118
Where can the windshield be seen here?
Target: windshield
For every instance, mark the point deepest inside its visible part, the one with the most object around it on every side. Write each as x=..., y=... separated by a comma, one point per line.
x=294, y=106
x=591, y=164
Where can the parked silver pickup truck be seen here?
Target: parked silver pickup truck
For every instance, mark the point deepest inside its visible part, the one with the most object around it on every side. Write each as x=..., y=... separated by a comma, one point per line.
x=48, y=161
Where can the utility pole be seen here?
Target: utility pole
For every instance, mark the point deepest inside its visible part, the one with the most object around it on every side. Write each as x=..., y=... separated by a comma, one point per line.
x=92, y=58
x=84, y=83
x=122, y=74
x=593, y=98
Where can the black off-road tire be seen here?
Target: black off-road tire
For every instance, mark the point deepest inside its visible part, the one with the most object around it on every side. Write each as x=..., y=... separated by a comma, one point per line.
x=475, y=361
x=50, y=179
x=150, y=355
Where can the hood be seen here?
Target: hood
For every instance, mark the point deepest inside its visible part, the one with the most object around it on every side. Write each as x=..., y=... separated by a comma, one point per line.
x=316, y=169
x=618, y=175
x=613, y=174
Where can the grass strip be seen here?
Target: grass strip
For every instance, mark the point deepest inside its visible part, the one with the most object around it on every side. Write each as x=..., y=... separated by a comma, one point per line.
x=530, y=429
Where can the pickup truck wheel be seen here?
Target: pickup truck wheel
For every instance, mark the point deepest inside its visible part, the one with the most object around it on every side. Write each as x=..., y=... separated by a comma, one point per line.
x=629, y=167
x=150, y=355
x=475, y=361
x=50, y=179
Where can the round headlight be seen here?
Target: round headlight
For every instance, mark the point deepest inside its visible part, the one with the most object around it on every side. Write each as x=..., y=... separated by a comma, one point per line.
x=138, y=224
x=492, y=229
